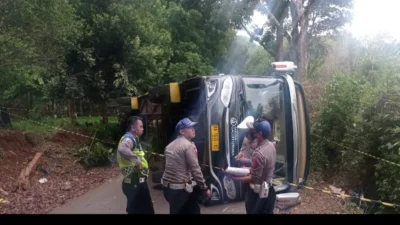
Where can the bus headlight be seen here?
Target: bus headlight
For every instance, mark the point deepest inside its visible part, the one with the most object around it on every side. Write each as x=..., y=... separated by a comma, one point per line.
x=226, y=92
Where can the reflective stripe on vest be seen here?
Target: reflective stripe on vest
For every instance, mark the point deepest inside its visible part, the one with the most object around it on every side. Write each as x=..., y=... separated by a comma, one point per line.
x=127, y=167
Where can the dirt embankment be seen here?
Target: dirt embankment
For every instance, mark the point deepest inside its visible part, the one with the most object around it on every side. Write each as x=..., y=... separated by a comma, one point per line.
x=56, y=178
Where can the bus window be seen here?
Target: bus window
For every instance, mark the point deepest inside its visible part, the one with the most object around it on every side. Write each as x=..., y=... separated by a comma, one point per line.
x=266, y=98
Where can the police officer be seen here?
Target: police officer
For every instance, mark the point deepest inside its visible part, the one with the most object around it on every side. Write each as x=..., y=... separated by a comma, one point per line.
x=248, y=145
x=182, y=172
x=246, y=151
x=260, y=199
x=134, y=167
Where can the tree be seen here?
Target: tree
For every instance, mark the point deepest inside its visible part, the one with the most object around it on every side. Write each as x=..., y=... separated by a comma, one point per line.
x=202, y=32
x=35, y=36
x=299, y=22
x=246, y=58
x=123, y=51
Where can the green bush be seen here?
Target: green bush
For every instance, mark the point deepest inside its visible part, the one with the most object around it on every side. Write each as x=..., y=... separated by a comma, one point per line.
x=339, y=115
x=106, y=132
x=97, y=155
x=388, y=147
x=358, y=115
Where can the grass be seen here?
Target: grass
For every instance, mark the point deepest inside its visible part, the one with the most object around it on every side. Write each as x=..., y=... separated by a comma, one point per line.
x=64, y=123
x=352, y=208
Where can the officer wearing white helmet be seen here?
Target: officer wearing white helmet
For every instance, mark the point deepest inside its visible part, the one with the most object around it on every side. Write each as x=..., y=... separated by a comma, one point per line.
x=260, y=199
x=182, y=172
x=248, y=144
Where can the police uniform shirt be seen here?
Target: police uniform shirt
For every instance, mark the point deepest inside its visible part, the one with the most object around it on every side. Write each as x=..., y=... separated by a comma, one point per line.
x=263, y=163
x=181, y=163
x=246, y=149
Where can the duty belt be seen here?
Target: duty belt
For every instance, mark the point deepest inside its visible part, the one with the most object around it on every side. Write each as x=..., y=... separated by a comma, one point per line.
x=128, y=180
x=175, y=186
x=257, y=187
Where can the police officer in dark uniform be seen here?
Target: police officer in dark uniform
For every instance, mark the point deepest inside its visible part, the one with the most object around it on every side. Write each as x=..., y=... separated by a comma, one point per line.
x=182, y=174
x=260, y=199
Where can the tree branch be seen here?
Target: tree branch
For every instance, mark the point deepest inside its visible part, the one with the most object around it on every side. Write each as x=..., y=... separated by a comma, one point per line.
x=307, y=9
x=276, y=22
x=258, y=40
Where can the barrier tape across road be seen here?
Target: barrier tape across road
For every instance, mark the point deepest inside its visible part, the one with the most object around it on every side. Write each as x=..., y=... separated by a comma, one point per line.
x=360, y=152
x=275, y=180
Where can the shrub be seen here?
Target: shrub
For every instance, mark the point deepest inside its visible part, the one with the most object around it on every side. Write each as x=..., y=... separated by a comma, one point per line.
x=360, y=116
x=98, y=155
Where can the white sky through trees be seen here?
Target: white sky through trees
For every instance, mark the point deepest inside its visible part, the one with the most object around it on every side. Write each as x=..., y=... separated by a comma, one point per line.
x=370, y=18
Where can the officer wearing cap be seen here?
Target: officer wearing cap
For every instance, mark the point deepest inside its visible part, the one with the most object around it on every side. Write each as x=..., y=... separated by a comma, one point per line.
x=134, y=168
x=182, y=172
x=261, y=172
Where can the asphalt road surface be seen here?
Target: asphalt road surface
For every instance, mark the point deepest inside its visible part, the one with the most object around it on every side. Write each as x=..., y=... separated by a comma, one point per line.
x=109, y=199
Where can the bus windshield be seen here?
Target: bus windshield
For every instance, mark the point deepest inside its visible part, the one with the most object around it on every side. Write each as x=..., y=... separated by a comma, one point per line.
x=264, y=97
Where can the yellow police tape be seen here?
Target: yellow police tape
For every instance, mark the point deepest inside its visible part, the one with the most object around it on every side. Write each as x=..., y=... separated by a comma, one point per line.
x=275, y=181
x=60, y=129
x=364, y=153
x=107, y=142
x=21, y=109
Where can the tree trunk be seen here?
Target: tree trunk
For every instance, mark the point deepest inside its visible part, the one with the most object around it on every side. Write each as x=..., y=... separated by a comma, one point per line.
x=29, y=100
x=72, y=111
x=53, y=107
x=293, y=56
x=279, y=44
x=80, y=107
x=281, y=14
x=104, y=112
x=90, y=109
x=302, y=50
x=299, y=38
x=23, y=179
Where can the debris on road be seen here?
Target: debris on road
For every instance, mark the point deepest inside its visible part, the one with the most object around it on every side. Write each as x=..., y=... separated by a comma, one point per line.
x=3, y=192
x=3, y=201
x=23, y=179
x=336, y=190
x=43, y=180
x=67, y=186
x=58, y=159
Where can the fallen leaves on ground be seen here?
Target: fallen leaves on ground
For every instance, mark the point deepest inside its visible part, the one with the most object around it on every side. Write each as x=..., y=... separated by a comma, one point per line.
x=65, y=179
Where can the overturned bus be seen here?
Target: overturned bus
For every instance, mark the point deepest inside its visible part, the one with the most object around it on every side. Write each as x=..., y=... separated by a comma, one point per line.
x=219, y=103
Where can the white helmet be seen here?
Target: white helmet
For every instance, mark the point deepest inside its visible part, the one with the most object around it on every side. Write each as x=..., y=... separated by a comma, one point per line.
x=247, y=120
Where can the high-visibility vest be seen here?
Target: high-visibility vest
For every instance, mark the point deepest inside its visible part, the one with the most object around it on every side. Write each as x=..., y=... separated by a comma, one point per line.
x=128, y=168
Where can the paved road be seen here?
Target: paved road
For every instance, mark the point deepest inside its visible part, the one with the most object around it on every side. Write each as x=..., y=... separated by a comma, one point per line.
x=109, y=199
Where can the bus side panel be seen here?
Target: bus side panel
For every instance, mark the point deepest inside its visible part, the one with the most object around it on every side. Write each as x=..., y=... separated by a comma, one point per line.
x=304, y=134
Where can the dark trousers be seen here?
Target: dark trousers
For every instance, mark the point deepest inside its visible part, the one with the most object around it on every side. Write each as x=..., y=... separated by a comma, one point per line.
x=138, y=198
x=256, y=205
x=182, y=202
